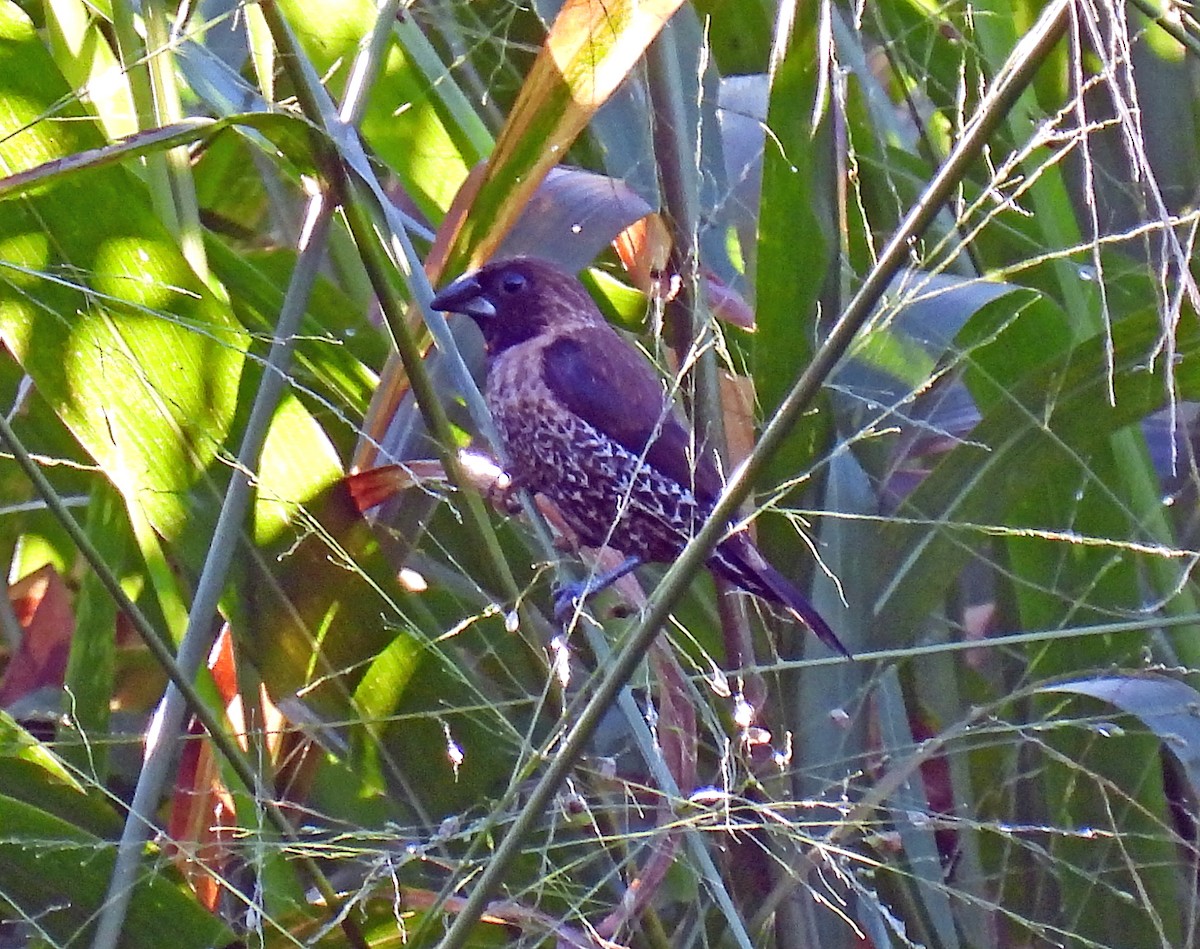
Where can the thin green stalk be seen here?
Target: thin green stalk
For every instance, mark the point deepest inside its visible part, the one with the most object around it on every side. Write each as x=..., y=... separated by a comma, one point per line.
x=137, y=71
x=675, y=156
x=430, y=405
x=998, y=642
x=316, y=108
x=692, y=332
x=169, y=109
x=200, y=632
x=1174, y=21
x=679, y=183
x=197, y=640
x=1022, y=65
x=151, y=76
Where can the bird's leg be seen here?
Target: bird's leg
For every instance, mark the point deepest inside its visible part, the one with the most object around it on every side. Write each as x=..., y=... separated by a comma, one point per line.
x=566, y=596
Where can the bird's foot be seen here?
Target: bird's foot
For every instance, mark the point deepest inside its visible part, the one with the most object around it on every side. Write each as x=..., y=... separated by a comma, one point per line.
x=569, y=596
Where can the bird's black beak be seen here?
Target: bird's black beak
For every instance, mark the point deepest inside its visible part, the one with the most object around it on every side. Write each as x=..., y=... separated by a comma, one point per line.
x=465, y=295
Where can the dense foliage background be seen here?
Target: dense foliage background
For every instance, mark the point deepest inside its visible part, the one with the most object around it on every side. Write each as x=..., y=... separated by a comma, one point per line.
x=927, y=267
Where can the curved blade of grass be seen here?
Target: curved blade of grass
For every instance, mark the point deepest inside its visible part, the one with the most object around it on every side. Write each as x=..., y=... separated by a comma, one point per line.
x=280, y=133
x=1165, y=706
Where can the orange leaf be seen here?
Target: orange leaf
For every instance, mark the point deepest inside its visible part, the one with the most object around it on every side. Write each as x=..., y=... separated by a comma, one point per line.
x=590, y=49
x=43, y=608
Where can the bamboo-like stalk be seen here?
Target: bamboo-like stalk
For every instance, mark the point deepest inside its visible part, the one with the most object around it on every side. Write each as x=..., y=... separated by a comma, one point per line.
x=312, y=101
x=1021, y=67
x=168, y=109
x=137, y=71
x=198, y=637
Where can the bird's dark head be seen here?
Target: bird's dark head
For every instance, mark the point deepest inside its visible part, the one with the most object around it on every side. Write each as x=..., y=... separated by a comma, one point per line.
x=517, y=299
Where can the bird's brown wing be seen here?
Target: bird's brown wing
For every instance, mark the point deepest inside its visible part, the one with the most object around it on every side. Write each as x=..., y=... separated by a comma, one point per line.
x=607, y=383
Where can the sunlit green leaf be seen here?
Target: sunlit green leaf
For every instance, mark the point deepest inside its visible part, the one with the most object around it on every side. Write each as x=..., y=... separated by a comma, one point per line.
x=136, y=355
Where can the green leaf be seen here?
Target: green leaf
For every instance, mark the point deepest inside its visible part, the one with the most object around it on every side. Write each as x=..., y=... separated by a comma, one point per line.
x=795, y=217
x=32, y=773
x=55, y=874
x=1037, y=435
x=131, y=350
x=18, y=745
x=1167, y=707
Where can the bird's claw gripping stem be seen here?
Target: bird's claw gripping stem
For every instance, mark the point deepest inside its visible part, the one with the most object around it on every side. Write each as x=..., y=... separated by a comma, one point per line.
x=568, y=595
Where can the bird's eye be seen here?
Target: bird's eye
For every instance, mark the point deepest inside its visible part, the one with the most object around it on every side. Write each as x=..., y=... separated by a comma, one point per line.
x=513, y=282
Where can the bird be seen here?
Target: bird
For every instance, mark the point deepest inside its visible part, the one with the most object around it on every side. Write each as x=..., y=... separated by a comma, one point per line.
x=585, y=420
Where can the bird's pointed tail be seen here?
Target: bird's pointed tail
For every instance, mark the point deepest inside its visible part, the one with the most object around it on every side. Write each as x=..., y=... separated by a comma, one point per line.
x=738, y=560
